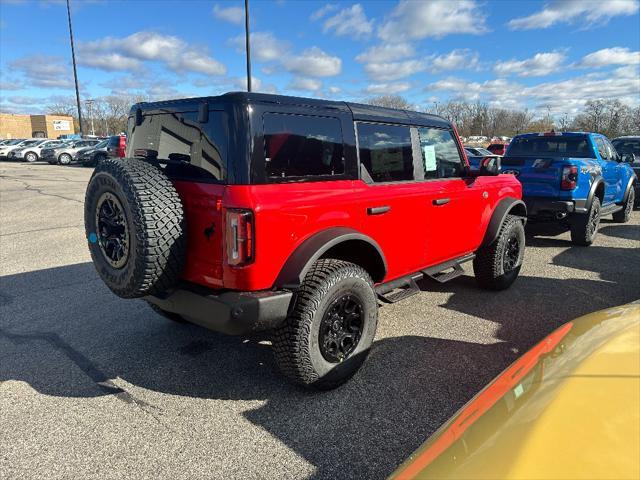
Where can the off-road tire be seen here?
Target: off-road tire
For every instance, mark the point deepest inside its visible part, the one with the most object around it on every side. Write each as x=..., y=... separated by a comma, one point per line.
x=31, y=157
x=174, y=317
x=624, y=215
x=153, y=215
x=489, y=262
x=584, y=226
x=296, y=341
x=64, y=159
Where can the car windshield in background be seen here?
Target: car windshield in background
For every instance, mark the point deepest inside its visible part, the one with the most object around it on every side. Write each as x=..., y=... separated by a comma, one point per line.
x=626, y=146
x=484, y=151
x=574, y=146
x=102, y=144
x=31, y=143
x=14, y=142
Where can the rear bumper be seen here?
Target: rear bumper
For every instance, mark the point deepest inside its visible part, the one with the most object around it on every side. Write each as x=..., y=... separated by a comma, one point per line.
x=230, y=312
x=554, y=209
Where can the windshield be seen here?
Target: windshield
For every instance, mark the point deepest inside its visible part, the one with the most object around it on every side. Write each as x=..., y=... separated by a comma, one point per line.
x=626, y=146
x=565, y=146
x=102, y=144
x=30, y=143
x=484, y=151
x=14, y=142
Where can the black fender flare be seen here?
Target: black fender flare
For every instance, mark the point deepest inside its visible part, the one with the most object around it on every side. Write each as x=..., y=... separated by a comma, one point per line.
x=505, y=207
x=592, y=191
x=300, y=261
x=630, y=183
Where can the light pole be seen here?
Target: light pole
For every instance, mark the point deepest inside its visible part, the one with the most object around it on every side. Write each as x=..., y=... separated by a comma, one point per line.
x=75, y=72
x=89, y=103
x=247, y=43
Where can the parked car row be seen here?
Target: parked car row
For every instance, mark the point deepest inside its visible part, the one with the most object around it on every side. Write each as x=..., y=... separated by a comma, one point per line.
x=86, y=151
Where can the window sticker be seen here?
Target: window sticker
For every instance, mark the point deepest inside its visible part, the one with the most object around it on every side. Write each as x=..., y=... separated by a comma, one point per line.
x=429, y=158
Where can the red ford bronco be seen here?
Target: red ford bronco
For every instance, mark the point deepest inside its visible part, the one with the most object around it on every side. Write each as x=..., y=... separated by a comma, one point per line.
x=249, y=212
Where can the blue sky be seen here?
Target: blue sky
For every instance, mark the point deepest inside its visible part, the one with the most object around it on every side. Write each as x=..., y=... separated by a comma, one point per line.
x=535, y=54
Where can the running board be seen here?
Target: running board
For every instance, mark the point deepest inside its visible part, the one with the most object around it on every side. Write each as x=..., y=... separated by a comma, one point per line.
x=609, y=209
x=396, y=290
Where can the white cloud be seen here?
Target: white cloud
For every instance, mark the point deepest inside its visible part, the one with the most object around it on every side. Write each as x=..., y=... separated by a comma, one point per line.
x=322, y=11
x=610, y=56
x=387, y=88
x=540, y=64
x=435, y=18
x=109, y=61
x=229, y=14
x=174, y=52
x=384, y=72
x=265, y=46
x=350, y=22
x=386, y=52
x=313, y=62
x=585, y=12
x=455, y=60
x=334, y=90
x=305, y=84
x=44, y=71
x=5, y=86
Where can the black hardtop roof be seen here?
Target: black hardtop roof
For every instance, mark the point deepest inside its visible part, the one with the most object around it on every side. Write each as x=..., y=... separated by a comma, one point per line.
x=360, y=111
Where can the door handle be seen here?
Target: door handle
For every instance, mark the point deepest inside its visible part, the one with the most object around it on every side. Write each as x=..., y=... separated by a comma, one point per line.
x=378, y=210
x=441, y=201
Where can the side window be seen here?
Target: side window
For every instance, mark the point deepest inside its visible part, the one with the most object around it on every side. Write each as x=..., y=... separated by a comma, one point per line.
x=385, y=152
x=602, y=149
x=188, y=148
x=302, y=146
x=613, y=154
x=440, y=155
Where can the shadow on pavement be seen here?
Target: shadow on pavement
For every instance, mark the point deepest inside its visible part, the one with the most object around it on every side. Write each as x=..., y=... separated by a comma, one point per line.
x=65, y=334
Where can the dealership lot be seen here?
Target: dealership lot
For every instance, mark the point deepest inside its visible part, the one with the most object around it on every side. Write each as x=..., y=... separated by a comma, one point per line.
x=95, y=386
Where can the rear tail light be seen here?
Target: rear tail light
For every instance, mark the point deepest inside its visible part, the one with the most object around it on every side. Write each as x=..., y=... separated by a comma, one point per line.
x=569, y=178
x=240, y=237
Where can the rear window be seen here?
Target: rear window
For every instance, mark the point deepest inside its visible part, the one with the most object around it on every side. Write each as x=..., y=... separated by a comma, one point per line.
x=298, y=146
x=186, y=148
x=574, y=146
x=386, y=152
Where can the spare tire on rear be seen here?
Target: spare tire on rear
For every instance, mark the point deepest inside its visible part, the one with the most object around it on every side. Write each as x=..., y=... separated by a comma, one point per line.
x=135, y=227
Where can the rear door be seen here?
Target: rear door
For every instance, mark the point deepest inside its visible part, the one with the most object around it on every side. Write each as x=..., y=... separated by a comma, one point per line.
x=193, y=155
x=610, y=171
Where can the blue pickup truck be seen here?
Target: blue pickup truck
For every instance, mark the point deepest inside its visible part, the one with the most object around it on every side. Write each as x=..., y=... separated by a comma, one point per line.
x=572, y=178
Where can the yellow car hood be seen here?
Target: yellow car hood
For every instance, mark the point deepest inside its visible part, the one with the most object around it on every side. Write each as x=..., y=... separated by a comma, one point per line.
x=568, y=408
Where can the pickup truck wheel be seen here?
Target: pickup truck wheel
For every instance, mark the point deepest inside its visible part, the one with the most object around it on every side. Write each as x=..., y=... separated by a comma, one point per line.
x=330, y=328
x=135, y=227
x=624, y=215
x=497, y=266
x=584, y=226
x=174, y=317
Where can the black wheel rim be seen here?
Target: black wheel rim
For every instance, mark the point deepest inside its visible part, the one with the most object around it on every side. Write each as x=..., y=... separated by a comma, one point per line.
x=113, y=233
x=341, y=328
x=511, y=253
x=594, y=220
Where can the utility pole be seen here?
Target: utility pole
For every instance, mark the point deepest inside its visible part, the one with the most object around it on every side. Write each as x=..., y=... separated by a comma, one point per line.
x=75, y=72
x=247, y=43
x=89, y=103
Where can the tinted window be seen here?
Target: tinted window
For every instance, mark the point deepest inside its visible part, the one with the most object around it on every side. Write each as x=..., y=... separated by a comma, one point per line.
x=440, y=155
x=624, y=146
x=302, y=146
x=385, y=152
x=115, y=141
x=185, y=147
x=573, y=146
x=602, y=149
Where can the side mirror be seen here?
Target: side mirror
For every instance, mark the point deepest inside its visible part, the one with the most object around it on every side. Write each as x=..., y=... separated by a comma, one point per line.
x=490, y=166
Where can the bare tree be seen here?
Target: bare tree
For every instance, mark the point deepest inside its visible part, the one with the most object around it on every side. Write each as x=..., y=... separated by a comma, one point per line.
x=389, y=101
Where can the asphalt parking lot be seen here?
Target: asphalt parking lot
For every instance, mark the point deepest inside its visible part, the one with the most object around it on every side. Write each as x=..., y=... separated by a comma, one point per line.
x=92, y=386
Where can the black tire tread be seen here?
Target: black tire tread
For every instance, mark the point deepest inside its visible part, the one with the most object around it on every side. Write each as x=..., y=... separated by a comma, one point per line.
x=624, y=215
x=290, y=340
x=487, y=262
x=159, y=226
x=578, y=226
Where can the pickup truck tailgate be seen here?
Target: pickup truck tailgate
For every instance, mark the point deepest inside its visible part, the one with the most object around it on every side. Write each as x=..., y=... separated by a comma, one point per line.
x=540, y=176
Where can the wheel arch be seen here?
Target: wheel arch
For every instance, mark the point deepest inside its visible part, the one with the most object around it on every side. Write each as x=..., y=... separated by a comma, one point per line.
x=596, y=190
x=630, y=184
x=506, y=206
x=342, y=243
